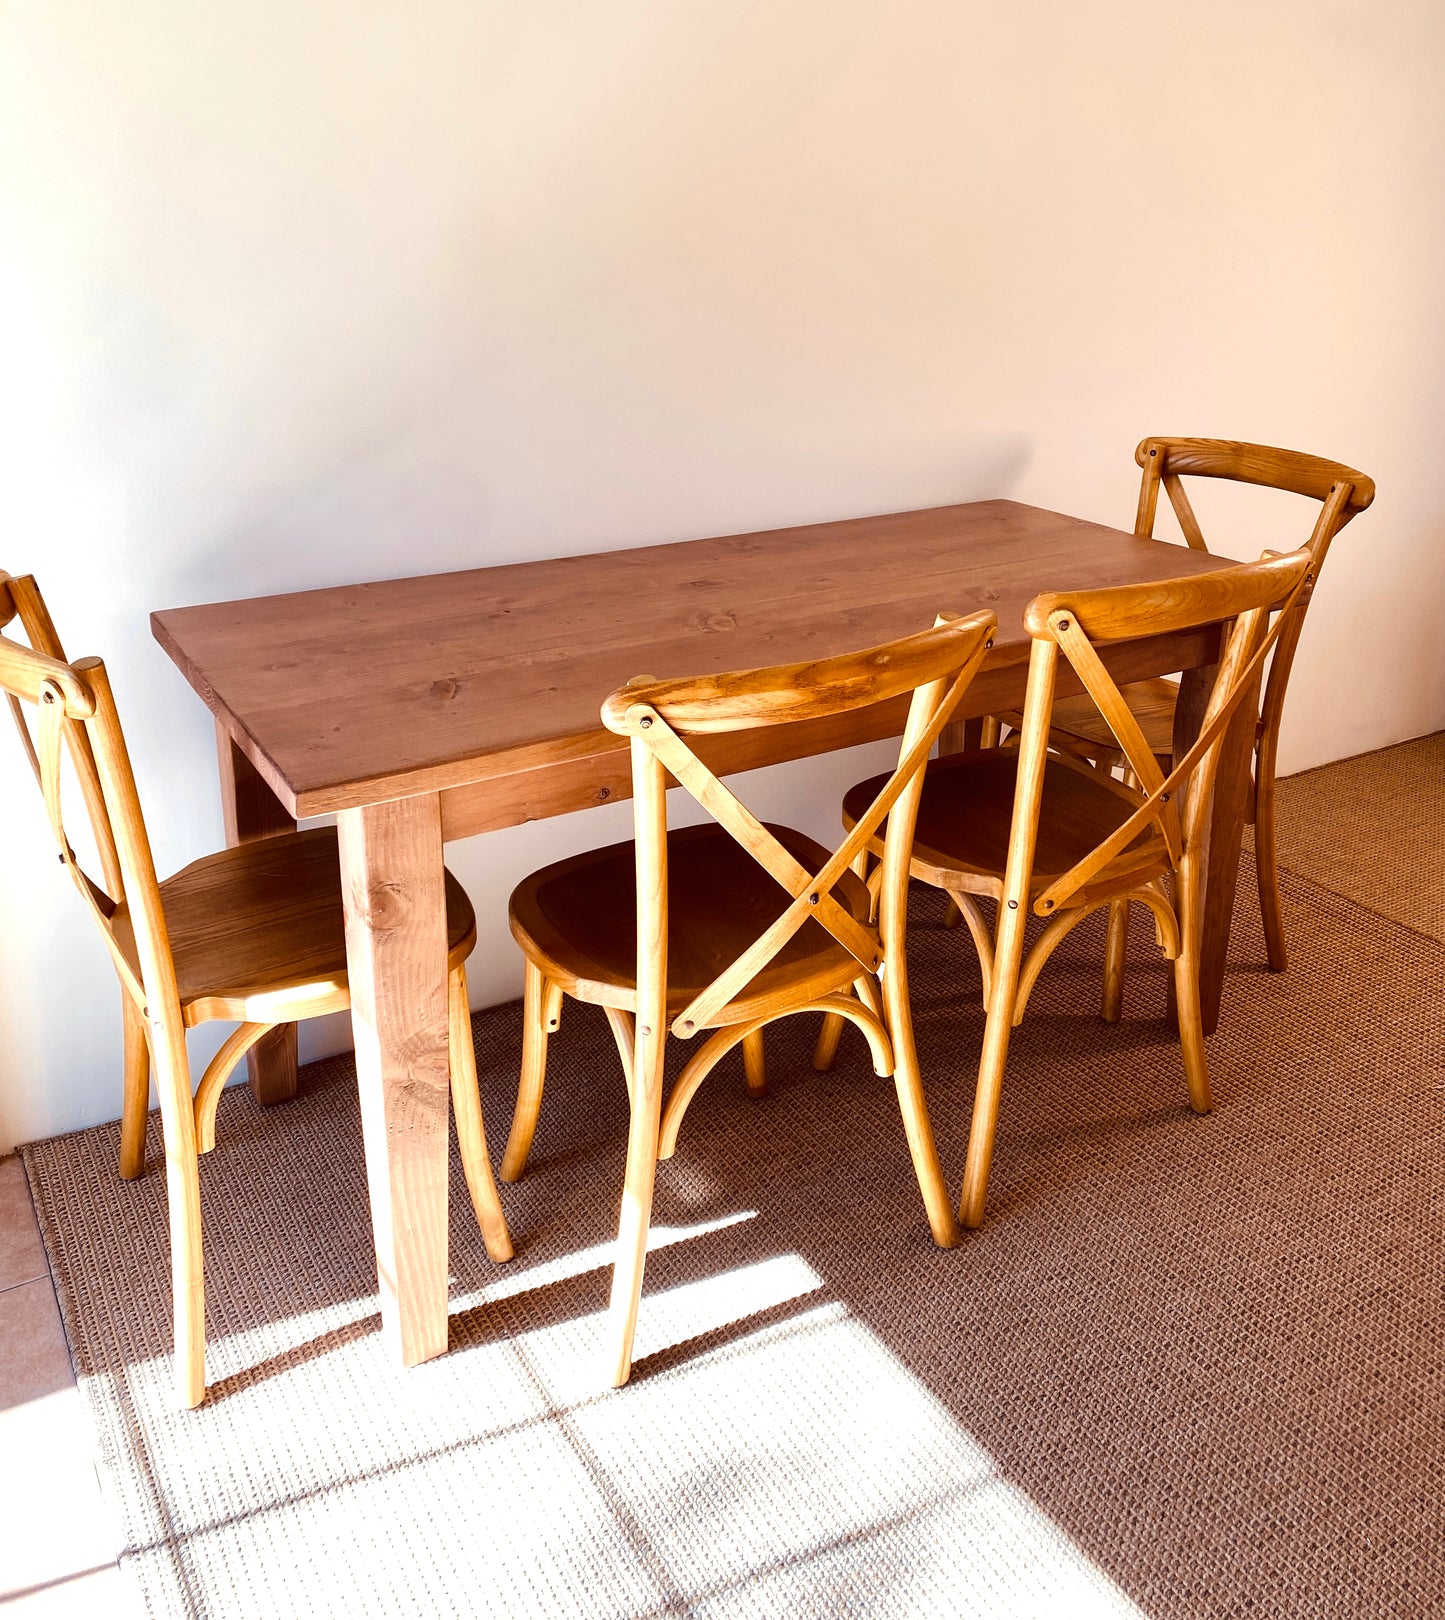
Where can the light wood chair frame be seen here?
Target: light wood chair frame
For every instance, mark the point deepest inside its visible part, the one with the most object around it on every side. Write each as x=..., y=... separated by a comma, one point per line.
x=1174, y=809
x=76, y=715
x=1343, y=493
x=659, y=717
x=1170, y=813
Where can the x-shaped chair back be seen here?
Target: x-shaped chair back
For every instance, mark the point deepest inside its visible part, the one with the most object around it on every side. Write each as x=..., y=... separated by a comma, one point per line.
x=935, y=665
x=1343, y=493
x=76, y=716
x=1076, y=623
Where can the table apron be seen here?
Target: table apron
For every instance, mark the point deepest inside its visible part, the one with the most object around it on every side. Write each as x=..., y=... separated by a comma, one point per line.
x=579, y=784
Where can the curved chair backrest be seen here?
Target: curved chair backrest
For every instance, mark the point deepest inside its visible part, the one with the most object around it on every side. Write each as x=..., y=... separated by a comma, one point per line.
x=1342, y=491
x=75, y=713
x=935, y=667
x=21, y=599
x=1077, y=623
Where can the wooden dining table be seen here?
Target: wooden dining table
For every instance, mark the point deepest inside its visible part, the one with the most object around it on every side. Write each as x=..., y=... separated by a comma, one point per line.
x=435, y=708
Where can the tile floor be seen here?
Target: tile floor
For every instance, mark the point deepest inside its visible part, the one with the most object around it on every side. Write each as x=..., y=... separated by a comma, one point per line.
x=58, y=1551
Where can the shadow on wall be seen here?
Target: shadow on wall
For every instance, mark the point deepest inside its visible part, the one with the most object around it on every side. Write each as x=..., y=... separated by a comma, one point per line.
x=414, y=497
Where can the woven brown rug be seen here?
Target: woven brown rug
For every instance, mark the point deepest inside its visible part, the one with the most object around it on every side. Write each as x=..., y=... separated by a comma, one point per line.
x=1370, y=828
x=1190, y=1367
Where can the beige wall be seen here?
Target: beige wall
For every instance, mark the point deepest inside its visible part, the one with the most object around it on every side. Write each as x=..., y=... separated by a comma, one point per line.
x=293, y=295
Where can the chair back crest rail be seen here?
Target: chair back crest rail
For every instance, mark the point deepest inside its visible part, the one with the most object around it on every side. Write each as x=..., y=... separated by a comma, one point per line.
x=1077, y=623
x=1342, y=491
x=936, y=665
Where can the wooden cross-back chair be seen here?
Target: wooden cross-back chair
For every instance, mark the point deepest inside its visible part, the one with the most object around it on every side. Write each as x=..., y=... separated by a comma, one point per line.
x=1080, y=729
x=731, y=924
x=253, y=934
x=1043, y=832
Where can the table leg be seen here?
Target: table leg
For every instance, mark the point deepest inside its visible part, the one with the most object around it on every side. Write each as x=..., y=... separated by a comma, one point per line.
x=396, y=955
x=958, y=736
x=251, y=810
x=1226, y=826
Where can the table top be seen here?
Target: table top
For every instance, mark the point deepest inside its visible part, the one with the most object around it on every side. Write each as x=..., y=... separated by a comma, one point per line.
x=356, y=694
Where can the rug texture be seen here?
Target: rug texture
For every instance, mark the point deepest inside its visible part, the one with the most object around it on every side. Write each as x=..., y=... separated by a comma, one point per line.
x=1188, y=1368
x=1369, y=828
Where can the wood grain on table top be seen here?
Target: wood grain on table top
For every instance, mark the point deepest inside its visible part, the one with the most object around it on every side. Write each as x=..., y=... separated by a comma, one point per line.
x=359, y=693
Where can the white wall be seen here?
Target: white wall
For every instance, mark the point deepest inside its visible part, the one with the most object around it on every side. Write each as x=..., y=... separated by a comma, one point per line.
x=294, y=295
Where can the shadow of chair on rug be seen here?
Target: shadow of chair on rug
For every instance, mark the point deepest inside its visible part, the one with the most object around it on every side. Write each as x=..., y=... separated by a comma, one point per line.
x=1169, y=1328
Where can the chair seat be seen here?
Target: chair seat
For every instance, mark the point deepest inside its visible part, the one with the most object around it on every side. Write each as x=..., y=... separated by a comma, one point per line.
x=966, y=810
x=577, y=920
x=1076, y=718
x=258, y=934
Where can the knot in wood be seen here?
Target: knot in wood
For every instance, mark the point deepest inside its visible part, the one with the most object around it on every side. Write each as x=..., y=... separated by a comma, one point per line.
x=717, y=621
x=385, y=907
x=446, y=689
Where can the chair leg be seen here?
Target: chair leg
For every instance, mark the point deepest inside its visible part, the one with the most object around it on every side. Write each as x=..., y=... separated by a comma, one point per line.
x=1266, y=865
x=637, y=1187
x=912, y=1105
x=183, y=1197
x=1115, y=951
x=135, y=1098
x=534, y=1070
x=1117, y=947
x=832, y=1031
x=620, y=1023
x=1186, y=999
x=183, y=1208
x=467, y=1111
x=865, y=988
x=754, y=1065
x=1007, y=960
x=828, y=1038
